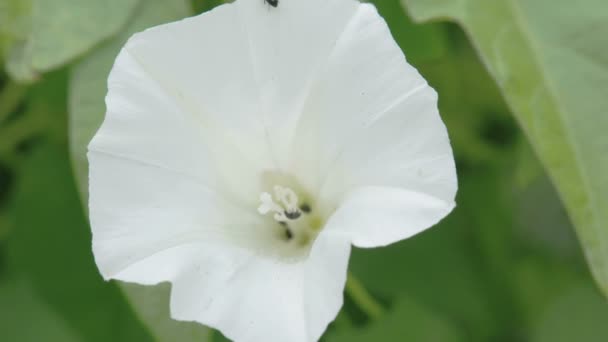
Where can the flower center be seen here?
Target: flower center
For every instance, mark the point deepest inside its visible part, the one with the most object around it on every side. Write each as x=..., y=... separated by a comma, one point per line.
x=295, y=217
x=287, y=211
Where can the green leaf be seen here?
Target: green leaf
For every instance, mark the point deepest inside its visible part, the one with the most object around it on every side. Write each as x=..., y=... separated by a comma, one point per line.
x=5, y=227
x=87, y=90
x=456, y=268
x=538, y=283
x=13, y=22
x=406, y=321
x=550, y=59
x=151, y=303
x=51, y=247
x=41, y=35
x=25, y=317
x=420, y=43
x=479, y=123
x=579, y=315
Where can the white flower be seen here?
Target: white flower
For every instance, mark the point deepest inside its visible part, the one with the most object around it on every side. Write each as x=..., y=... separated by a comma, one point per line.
x=243, y=152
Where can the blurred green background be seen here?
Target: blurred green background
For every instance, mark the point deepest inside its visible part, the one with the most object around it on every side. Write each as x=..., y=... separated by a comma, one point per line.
x=506, y=265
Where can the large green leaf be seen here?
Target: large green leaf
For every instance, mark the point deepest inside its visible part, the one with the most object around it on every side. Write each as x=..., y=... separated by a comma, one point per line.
x=550, y=59
x=87, y=90
x=580, y=314
x=40, y=35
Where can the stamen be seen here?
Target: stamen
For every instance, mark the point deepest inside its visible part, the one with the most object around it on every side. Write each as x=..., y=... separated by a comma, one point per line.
x=305, y=208
x=288, y=233
x=268, y=204
x=285, y=196
x=292, y=215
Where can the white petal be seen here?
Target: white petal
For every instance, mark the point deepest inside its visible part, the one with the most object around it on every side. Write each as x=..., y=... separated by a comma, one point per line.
x=254, y=299
x=377, y=216
x=209, y=74
x=179, y=94
x=138, y=211
x=372, y=120
x=250, y=82
x=156, y=175
x=289, y=47
x=177, y=157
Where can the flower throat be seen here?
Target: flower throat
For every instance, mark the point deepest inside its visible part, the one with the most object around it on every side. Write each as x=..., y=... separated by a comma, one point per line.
x=297, y=222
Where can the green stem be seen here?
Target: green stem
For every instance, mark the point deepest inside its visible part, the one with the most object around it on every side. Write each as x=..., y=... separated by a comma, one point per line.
x=362, y=298
x=10, y=96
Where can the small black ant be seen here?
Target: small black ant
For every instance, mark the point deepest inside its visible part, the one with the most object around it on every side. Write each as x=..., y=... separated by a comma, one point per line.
x=273, y=3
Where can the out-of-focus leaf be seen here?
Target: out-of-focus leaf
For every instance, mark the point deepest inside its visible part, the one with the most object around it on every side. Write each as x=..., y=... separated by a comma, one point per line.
x=5, y=227
x=40, y=35
x=405, y=321
x=579, y=315
x=548, y=262
x=51, y=247
x=544, y=221
x=13, y=22
x=539, y=282
x=420, y=43
x=478, y=120
x=152, y=305
x=87, y=90
x=551, y=62
x=435, y=268
x=456, y=268
x=25, y=317
x=481, y=129
x=200, y=6
x=43, y=114
x=528, y=168
x=218, y=337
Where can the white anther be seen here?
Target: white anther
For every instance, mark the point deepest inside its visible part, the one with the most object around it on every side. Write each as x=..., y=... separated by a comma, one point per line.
x=284, y=196
x=268, y=204
x=287, y=197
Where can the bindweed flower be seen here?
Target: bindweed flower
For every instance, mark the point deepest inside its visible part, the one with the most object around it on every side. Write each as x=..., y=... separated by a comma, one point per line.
x=246, y=149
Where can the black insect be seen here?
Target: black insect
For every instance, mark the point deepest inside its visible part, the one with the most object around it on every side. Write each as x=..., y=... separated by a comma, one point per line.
x=273, y=3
